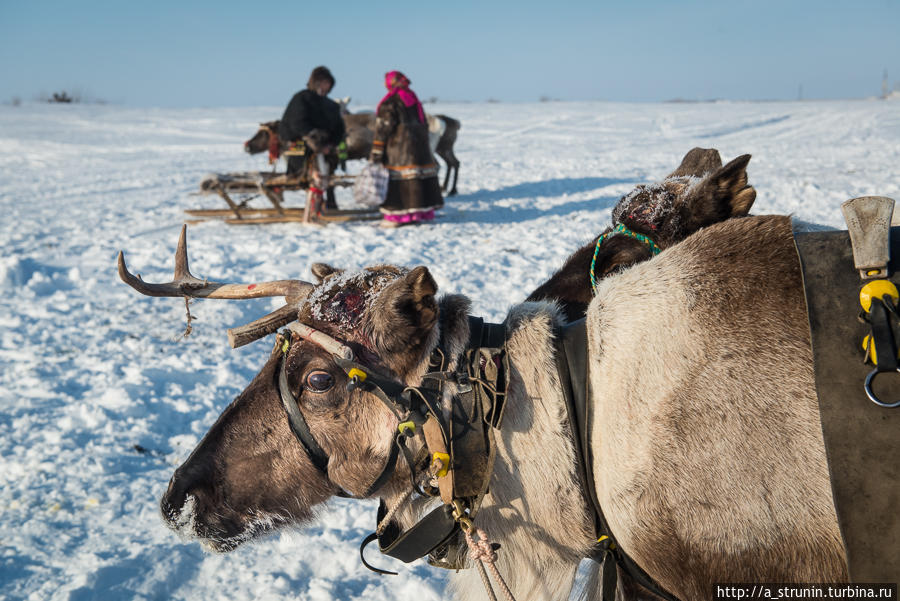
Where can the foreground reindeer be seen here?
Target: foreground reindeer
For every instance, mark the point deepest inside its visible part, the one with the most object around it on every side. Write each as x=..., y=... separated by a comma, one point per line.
x=360, y=134
x=706, y=444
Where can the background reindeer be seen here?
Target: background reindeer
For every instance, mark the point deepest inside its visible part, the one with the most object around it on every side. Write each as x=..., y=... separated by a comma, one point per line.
x=360, y=134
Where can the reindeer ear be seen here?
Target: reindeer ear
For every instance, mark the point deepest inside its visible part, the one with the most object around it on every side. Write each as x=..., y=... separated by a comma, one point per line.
x=723, y=194
x=418, y=304
x=732, y=187
x=421, y=283
x=698, y=162
x=404, y=319
x=322, y=271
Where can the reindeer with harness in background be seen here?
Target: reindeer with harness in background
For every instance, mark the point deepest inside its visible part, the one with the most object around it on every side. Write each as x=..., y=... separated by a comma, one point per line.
x=360, y=128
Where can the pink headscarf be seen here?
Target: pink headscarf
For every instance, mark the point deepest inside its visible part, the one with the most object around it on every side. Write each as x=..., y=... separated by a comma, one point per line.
x=397, y=83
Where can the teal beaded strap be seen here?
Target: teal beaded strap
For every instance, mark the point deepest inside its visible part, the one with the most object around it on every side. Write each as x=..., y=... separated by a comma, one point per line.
x=621, y=229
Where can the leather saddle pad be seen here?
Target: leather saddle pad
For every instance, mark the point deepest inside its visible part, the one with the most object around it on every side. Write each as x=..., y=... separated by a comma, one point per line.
x=862, y=440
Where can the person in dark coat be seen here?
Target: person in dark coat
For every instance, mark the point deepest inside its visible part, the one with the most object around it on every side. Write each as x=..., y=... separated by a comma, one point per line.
x=401, y=143
x=312, y=125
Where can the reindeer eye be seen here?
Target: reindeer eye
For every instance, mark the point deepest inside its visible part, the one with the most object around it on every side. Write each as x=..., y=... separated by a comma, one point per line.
x=319, y=381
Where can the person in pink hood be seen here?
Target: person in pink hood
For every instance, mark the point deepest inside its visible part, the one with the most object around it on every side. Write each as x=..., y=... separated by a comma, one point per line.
x=401, y=143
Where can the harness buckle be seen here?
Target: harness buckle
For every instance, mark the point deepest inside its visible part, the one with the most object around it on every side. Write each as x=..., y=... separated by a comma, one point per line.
x=357, y=373
x=606, y=543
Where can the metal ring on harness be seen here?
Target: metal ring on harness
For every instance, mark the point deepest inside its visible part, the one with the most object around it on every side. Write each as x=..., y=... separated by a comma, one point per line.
x=871, y=394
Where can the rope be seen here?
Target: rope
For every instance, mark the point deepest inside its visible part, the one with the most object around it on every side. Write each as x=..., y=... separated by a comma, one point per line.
x=486, y=581
x=484, y=553
x=379, y=529
x=437, y=465
x=387, y=516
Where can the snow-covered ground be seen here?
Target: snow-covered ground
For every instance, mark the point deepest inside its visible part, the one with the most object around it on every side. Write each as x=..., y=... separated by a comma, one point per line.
x=100, y=400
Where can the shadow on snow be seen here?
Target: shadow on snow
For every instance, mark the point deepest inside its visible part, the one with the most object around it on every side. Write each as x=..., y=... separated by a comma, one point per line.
x=535, y=190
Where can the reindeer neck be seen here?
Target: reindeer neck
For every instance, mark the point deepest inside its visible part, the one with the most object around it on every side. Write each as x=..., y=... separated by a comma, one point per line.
x=531, y=432
x=536, y=443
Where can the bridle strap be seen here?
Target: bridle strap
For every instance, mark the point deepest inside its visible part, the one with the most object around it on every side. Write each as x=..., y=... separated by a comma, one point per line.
x=621, y=229
x=434, y=533
x=393, y=394
x=298, y=424
x=410, y=404
x=388, y=470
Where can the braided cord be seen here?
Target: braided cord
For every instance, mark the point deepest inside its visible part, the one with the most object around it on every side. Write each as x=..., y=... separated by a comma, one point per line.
x=621, y=229
x=484, y=553
x=594, y=259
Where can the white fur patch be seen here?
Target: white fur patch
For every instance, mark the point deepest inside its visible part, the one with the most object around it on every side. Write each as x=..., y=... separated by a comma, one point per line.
x=436, y=129
x=185, y=522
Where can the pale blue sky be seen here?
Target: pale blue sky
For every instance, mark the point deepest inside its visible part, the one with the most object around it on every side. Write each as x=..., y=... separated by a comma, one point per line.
x=224, y=53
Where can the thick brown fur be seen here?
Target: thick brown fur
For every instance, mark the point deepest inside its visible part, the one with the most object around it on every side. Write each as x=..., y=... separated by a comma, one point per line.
x=708, y=452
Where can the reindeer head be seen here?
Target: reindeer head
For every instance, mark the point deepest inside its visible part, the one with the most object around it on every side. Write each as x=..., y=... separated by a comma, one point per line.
x=250, y=473
x=698, y=193
x=343, y=104
x=261, y=139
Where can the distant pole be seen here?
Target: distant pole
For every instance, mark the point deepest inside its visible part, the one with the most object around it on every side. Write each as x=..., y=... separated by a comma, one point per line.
x=884, y=85
x=800, y=92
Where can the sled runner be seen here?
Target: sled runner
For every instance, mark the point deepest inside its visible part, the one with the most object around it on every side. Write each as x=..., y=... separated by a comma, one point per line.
x=250, y=216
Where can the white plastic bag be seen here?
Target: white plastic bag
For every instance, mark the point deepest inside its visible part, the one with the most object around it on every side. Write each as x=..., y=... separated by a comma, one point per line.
x=371, y=185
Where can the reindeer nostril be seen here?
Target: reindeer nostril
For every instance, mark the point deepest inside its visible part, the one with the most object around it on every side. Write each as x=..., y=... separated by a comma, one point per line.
x=173, y=500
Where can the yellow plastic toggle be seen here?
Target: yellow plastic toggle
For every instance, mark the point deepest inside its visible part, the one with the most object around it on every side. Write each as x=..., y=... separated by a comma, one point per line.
x=357, y=373
x=444, y=458
x=872, y=356
x=286, y=345
x=877, y=289
x=404, y=426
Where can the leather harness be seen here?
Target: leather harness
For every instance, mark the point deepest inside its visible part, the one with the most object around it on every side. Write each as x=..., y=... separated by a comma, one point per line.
x=476, y=411
x=474, y=403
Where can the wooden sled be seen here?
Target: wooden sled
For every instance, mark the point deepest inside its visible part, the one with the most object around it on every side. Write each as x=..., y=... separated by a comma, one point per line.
x=251, y=184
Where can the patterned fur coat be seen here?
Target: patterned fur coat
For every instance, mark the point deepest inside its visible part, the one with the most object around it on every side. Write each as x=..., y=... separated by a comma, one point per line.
x=401, y=142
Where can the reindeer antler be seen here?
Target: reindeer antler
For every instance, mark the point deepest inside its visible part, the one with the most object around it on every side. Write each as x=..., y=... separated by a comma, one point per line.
x=186, y=285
